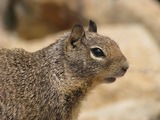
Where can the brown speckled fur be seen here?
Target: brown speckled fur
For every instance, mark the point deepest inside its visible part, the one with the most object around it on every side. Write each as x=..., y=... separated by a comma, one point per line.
x=50, y=84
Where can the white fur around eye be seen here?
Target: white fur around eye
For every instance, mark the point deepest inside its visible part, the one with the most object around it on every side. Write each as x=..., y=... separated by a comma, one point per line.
x=94, y=57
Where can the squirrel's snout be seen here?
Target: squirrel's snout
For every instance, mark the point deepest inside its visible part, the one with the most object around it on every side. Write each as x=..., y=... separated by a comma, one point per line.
x=125, y=67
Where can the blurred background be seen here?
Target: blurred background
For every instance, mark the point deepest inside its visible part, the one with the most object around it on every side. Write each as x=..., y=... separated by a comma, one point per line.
x=133, y=24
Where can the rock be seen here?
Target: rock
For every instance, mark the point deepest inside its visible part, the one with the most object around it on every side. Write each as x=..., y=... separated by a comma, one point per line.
x=132, y=10
x=125, y=11
x=38, y=18
x=35, y=19
x=124, y=110
x=3, y=4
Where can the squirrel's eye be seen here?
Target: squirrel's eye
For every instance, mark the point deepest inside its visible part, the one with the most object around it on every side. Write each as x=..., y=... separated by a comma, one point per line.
x=97, y=52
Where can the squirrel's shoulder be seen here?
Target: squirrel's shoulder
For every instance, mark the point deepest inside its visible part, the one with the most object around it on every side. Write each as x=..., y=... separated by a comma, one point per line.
x=13, y=52
x=9, y=56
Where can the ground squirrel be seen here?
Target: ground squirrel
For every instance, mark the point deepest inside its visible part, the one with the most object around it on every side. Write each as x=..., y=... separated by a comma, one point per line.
x=50, y=84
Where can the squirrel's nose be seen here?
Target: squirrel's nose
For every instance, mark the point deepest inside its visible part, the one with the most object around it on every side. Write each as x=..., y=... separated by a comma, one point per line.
x=125, y=67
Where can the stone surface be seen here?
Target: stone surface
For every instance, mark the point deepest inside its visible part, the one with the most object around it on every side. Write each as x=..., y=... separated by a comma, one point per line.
x=35, y=19
x=132, y=10
x=38, y=18
x=124, y=110
x=125, y=11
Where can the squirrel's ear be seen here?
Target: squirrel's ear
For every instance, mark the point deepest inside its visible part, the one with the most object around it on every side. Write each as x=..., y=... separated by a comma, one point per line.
x=76, y=35
x=92, y=26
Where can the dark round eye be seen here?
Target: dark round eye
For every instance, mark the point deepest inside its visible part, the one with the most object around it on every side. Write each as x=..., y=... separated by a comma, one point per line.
x=97, y=52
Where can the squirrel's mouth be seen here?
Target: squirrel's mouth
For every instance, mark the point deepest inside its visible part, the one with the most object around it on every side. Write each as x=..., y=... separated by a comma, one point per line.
x=110, y=79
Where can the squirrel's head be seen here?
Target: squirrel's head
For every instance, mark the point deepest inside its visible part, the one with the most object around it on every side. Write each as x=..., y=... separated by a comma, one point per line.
x=94, y=56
